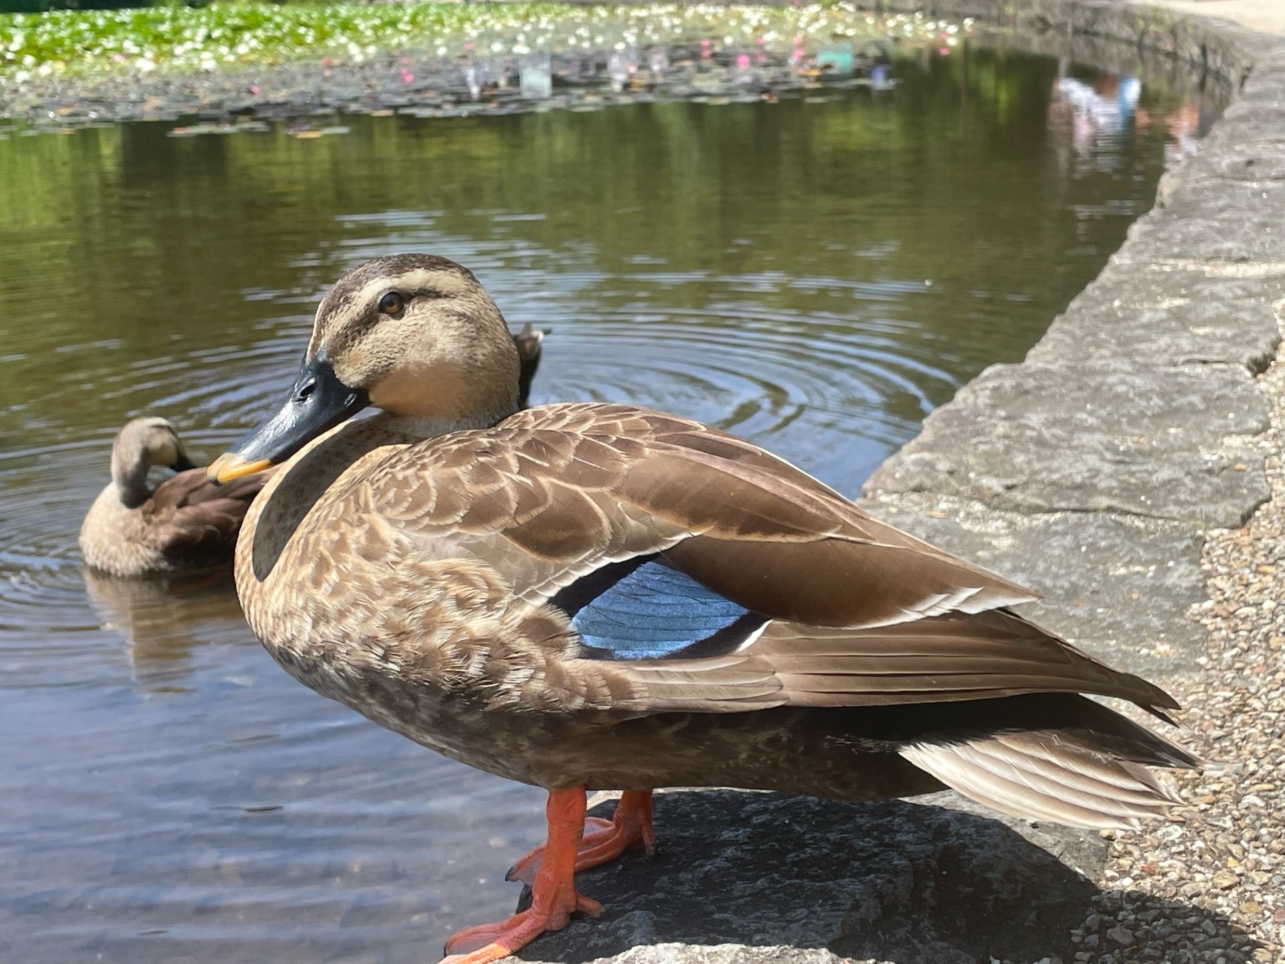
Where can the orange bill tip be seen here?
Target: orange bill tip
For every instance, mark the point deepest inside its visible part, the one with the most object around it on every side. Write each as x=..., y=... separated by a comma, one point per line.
x=229, y=466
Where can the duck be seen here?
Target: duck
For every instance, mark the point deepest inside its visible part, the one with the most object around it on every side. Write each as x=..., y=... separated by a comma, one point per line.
x=590, y=596
x=186, y=522
x=529, y=342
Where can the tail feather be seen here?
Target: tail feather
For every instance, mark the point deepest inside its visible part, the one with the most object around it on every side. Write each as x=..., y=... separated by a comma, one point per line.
x=1070, y=776
x=1055, y=763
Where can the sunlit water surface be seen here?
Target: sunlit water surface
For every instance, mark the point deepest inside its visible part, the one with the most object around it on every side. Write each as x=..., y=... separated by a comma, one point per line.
x=815, y=274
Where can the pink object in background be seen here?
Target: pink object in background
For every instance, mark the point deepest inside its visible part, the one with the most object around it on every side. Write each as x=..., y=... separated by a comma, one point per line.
x=798, y=54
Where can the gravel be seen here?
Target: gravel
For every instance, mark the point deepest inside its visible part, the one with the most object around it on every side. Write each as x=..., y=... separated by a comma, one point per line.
x=1210, y=884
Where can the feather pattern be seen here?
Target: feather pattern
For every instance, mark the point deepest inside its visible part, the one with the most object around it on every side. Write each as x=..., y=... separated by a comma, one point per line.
x=600, y=595
x=655, y=611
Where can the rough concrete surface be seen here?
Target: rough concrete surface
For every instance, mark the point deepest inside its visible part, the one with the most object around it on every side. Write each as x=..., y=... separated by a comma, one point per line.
x=1095, y=472
x=1147, y=318
x=895, y=881
x=1083, y=437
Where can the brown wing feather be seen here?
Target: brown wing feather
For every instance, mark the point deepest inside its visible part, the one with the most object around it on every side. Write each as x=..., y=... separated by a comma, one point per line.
x=938, y=659
x=188, y=516
x=579, y=485
x=864, y=614
x=779, y=542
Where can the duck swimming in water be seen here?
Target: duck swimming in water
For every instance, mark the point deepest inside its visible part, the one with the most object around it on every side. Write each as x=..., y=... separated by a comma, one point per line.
x=186, y=522
x=596, y=596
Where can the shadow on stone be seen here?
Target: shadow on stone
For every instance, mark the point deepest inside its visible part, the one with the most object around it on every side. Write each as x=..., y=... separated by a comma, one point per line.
x=897, y=881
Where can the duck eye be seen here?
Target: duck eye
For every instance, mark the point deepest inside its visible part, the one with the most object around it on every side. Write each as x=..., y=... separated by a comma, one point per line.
x=392, y=303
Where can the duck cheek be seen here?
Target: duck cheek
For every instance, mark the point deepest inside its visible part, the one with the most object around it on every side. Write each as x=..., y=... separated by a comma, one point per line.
x=420, y=390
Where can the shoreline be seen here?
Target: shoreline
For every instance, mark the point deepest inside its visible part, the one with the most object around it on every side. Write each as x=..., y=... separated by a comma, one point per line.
x=483, y=59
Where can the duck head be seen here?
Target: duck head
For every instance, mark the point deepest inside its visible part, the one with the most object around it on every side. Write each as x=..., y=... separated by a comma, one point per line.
x=412, y=334
x=141, y=444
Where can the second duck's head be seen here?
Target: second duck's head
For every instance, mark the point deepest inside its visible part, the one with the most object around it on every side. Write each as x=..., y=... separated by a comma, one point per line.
x=141, y=444
x=412, y=334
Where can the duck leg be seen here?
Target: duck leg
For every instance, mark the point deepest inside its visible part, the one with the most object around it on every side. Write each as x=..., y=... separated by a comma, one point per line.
x=553, y=892
x=629, y=828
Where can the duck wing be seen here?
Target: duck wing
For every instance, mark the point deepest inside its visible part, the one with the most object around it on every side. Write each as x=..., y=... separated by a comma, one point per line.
x=190, y=517
x=700, y=573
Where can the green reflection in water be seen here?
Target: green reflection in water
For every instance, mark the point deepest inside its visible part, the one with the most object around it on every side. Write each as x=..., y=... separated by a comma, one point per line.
x=945, y=223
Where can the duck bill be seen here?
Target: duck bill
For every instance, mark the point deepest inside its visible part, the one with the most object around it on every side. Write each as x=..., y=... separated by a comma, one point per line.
x=317, y=402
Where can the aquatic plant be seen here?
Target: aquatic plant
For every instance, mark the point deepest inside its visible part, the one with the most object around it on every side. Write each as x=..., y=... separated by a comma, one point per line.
x=184, y=39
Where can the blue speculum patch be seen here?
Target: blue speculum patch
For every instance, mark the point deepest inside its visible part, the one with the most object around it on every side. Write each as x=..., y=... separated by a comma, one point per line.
x=654, y=611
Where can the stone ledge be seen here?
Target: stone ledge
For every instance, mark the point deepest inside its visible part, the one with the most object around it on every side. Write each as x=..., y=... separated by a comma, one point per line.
x=1139, y=316
x=1084, y=437
x=756, y=877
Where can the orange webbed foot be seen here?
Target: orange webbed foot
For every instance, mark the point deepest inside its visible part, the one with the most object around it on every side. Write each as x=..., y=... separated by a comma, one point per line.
x=553, y=892
x=603, y=840
x=491, y=942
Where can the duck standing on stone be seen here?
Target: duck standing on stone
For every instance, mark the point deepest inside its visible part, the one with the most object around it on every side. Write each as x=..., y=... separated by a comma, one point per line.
x=595, y=596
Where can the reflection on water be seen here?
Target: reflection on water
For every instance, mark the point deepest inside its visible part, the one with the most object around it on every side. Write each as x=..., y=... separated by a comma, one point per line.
x=815, y=274
x=160, y=618
x=1096, y=113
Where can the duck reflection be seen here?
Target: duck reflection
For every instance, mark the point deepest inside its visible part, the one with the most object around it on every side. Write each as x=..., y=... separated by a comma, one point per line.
x=163, y=619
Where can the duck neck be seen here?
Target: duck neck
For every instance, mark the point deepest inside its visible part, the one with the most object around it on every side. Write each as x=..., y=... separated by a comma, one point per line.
x=131, y=482
x=431, y=426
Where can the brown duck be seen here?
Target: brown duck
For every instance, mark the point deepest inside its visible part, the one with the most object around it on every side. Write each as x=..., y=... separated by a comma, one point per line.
x=599, y=596
x=186, y=522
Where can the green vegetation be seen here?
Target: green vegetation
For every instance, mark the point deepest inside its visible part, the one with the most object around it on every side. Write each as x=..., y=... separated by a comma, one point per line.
x=178, y=38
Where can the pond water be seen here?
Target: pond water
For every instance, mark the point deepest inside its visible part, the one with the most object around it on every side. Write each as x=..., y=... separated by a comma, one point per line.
x=814, y=274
